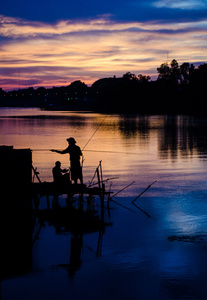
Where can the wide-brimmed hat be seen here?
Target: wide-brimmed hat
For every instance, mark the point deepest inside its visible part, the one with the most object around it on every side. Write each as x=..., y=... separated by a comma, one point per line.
x=71, y=140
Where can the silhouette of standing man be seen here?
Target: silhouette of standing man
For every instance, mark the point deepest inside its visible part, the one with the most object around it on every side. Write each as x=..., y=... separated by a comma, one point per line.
x=75, y=154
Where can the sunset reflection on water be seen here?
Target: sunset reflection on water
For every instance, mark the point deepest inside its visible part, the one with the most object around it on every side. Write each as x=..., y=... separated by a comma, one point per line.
x=137, y=148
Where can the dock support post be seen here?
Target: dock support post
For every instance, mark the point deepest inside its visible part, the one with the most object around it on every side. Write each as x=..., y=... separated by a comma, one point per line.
x=16, y=210
x=98, y=176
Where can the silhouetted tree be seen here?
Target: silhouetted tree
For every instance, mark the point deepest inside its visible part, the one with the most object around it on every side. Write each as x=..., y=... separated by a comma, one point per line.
x=77, y=89
x=143, y=78
x=202, y=73
x=186, y=72
x=199, y=79
x=170, y=73
x=41, y=90
x=130, y=76
x=164, y=71
x=174, y=72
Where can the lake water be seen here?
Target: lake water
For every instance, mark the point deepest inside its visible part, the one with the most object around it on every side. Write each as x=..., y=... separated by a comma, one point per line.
x=153, y=250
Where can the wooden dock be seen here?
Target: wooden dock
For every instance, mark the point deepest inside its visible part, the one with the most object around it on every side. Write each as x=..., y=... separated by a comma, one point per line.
x=50, y=189
x=47, y=189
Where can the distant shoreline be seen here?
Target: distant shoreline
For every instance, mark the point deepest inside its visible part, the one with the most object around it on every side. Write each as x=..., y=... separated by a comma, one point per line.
x=178, y=90
x=203, y=114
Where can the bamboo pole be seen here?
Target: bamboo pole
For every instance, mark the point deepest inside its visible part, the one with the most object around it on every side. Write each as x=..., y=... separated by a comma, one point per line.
x=122, y=189
x=144, y=191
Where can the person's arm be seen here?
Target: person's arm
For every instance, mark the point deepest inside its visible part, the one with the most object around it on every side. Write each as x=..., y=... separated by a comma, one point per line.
x=59, y=151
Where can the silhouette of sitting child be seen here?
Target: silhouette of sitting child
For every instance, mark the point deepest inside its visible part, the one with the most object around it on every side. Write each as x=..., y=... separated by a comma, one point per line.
x=58, y=177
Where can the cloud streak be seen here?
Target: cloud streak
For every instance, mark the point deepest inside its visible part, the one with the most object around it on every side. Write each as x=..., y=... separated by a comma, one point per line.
x=56, y=54
x=181, y=4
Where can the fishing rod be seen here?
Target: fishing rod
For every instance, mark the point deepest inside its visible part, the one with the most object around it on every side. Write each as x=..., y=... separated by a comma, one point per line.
x=122, y=190
x=94, y=132
x=143, y=191
x=110, y=198
x=91, y=184
x=92, y=137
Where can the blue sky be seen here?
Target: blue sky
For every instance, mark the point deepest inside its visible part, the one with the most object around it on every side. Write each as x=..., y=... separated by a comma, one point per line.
x=130, y=10
x=52, y=43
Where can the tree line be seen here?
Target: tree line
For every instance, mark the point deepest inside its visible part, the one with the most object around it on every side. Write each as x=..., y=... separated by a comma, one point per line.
x=177, y=90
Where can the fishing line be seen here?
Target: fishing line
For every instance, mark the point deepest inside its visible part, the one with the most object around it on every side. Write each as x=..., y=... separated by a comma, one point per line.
x=112, y=152
x=91, y=150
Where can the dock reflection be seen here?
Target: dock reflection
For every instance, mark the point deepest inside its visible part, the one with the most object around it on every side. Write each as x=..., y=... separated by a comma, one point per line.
x=80, y=216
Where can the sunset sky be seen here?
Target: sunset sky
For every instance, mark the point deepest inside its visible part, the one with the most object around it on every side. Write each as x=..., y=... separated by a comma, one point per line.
x=54, y=42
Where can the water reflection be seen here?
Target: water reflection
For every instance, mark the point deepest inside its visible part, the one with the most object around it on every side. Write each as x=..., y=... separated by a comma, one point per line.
x=75, y=254
x=174, y=138
x=182, y=136
x=161, y=257
x=80, y=216
x=176, y=135
x=130, y=126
